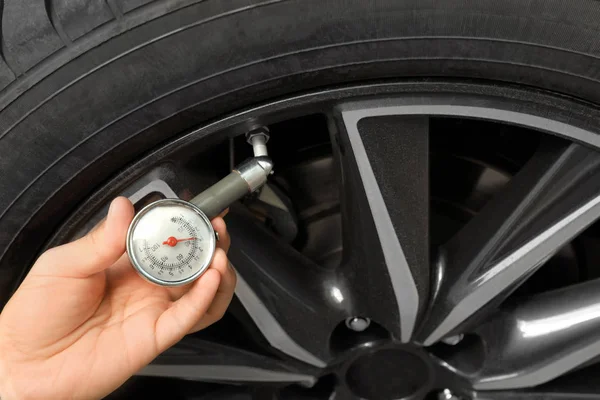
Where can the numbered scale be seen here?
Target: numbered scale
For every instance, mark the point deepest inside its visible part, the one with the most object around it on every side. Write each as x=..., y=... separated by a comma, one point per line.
x=171, y=242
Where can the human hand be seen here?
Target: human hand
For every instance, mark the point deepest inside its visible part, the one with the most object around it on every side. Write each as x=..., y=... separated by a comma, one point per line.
x=83, y=321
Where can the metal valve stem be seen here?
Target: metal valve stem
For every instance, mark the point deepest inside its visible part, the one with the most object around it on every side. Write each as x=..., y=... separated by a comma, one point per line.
x=258, y=138
x=244, y=179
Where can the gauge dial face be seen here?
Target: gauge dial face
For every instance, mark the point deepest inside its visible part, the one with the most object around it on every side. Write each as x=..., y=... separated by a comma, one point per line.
x=171, y=242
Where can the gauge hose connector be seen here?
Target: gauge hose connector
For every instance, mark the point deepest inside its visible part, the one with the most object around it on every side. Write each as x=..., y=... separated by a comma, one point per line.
x=246, y=178
x=255, y=171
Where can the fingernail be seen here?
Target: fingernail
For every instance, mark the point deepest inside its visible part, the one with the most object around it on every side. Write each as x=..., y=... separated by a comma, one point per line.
x=111, y=209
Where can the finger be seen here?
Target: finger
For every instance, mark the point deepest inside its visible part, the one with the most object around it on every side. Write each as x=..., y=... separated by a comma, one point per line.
x=121, y=271
x=224, y=243
x=224, y=294
x=183, y=314
x=224, y=238
x=224, y=213
x=177, y=292
x=94, y=252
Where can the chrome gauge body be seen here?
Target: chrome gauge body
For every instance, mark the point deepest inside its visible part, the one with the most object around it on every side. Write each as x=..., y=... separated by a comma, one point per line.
x=171, y=242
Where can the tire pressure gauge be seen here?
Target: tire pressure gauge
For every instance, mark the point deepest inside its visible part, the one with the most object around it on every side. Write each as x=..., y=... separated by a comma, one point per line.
x=171, y=242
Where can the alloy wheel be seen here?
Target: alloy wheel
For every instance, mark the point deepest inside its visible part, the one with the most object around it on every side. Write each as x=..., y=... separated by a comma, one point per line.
x=396, y=312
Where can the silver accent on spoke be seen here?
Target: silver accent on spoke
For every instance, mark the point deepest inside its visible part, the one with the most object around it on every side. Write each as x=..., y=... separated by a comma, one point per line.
x=374, y=108
x=516, y=265
x=155, y=186
x=268, y=325
x=541, y=339
x=400, y=274
x=225, y=373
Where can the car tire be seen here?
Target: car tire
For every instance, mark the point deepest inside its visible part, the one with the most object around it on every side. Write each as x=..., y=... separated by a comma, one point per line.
x=89, y=86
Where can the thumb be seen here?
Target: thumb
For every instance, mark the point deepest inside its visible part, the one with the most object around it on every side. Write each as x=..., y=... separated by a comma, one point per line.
x=94, y=252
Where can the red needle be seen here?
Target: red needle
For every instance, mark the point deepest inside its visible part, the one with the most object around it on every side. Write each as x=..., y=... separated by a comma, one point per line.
x=172, y=241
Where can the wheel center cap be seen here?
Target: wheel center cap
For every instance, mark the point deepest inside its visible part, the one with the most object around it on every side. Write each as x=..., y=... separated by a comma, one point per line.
x=389, y=374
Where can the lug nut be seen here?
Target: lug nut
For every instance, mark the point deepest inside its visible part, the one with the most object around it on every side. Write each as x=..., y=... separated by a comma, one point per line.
x=358, y=324
x=447, y=394
x=453, y=340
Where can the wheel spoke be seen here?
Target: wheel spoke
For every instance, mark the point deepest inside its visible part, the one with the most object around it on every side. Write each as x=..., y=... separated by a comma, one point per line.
x=290, y=299
x=551, y=200
x=542, y=338
x=208, y=361
x=383, y=162
x=581, y=384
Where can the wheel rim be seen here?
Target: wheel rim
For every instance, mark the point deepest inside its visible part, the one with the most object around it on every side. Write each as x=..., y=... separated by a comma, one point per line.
x=458, y=291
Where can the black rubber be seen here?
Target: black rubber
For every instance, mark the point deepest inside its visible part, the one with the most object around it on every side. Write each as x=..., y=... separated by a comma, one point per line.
x=89, y=85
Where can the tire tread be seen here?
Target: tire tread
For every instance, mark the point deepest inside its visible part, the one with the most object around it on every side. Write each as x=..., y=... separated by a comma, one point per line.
x=79, y=17
x=56, y=23
x=28, y=34
x=115, y=8
x=129, y=5
x=40, y=36
x=7, y=75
